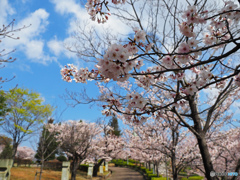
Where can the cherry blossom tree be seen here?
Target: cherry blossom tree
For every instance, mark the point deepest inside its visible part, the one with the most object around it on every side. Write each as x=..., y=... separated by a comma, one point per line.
x=182, y=57
x=24, y=152
x=224, y=150
x=76, y=138
x=168, y=139
x=105, y=148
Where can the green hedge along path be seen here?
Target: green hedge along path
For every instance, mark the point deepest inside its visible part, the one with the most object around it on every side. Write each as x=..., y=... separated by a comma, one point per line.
x=121, y=173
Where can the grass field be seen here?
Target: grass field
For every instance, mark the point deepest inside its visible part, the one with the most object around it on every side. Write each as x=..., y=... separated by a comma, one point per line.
x=28, y=173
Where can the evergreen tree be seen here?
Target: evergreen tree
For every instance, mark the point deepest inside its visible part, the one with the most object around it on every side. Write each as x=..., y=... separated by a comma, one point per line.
x=3, y=107
x=114, y=124
x=7, y=152
x=47, y=146
x=62, y=157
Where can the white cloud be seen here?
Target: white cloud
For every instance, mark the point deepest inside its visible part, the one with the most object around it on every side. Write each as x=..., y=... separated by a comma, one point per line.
x=34, y=49
x=67, y=6
x=56, y=46
x=5, y=10
x=30, y=42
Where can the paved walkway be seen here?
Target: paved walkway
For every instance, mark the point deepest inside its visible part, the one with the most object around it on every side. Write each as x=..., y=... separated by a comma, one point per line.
x=121, y=173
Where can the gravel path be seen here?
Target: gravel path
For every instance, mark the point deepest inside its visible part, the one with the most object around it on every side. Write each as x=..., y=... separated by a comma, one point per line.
x=121, y=173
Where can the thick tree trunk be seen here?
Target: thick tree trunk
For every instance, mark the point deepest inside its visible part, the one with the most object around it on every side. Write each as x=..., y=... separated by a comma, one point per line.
x=96, y=167
x=157, y=169
x=205, y=157
x=15, y=145
x=174, y=170
x=202, y=144
x=75, y=166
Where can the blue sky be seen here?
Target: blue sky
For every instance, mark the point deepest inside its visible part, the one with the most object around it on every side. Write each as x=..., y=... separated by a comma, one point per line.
x=38, y=54
x=40, y=51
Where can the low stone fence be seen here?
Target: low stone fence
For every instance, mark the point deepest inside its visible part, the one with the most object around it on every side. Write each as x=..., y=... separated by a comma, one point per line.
x=5, y=169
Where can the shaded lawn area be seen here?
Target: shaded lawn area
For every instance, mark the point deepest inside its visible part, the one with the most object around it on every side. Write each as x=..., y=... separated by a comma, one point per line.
x=28, y=173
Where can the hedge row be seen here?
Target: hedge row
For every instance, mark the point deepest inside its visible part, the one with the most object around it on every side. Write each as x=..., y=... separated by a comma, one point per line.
x=149, y=173
x=193, y=178
x=83, y=167
x=131, y=163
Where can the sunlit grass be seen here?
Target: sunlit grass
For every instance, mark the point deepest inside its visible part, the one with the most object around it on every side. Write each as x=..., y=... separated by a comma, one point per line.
x=28, y=173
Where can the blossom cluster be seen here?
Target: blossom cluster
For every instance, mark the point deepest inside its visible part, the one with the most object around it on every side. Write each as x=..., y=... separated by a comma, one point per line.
x=95, y=9
x=135, y=100
x=80, y=75
x=117, y=62
x=193, y=17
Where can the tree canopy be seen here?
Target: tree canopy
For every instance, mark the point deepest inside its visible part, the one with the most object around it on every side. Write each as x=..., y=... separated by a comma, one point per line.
x=27, y=114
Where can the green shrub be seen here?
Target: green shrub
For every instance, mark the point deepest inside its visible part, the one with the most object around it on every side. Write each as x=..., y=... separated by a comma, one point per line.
x=138, y=167
x=61, y=158
x=131, y=165
x=132, y=160
x=83, y=167
x=182, y=173
x=151, y=175
x=143, y=169
x=195, y=178
x=159, y=178
x=149, y=172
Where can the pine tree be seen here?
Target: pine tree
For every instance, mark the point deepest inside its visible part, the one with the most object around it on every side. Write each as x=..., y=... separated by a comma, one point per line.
x=47, y=146
x=3, y=107
x=114, y=124
x=7, y=152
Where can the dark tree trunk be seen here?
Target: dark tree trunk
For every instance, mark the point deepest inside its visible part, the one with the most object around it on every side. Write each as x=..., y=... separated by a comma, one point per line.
x=157, y=169
x=96, y=167
x=154, y=167
x=75, y=165
x=14, y=152
x=205, y=157
x=202, y=144
x=174, y=169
